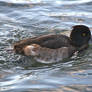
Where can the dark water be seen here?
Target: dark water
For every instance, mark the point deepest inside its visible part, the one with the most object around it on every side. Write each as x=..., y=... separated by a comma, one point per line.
x=27, y=18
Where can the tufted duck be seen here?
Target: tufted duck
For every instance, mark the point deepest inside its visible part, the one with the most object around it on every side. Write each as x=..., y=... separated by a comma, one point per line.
x=53, y=48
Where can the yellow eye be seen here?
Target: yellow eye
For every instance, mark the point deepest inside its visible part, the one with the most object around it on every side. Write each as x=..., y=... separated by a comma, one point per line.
x=83, y=34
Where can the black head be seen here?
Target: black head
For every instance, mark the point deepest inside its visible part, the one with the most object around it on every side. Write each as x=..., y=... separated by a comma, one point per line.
x=80, y=35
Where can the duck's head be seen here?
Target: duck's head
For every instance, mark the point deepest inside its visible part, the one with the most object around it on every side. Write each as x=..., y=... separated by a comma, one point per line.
x=80, y=36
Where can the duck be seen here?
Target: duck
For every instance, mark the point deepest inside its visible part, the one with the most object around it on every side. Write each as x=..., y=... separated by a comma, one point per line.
x=54, y=48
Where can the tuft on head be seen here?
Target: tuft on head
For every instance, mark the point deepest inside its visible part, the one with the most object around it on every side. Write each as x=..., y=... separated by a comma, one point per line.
x=80, y=35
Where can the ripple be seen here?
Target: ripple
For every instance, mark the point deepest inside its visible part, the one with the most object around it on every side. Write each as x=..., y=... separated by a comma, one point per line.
x=22, y=1
x=75, y=14
x=72, y=2
x=59, y=2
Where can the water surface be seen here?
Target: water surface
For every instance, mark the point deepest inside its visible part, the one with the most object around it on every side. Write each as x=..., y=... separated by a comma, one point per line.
x=21, y=19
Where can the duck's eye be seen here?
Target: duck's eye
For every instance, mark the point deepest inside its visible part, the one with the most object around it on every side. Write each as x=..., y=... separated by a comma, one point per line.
x=83, y=34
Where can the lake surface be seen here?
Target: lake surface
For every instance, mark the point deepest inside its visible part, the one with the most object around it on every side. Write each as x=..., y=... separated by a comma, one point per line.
x=21, y=19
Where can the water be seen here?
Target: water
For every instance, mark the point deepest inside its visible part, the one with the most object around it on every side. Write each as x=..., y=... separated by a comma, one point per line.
x=28, y=18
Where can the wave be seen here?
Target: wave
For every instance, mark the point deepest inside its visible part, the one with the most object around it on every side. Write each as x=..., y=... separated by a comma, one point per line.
x=72, y=2
x=21, y=1
x=60, y=2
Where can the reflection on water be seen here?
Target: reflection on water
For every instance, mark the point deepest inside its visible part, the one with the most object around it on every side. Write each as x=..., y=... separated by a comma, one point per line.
x=28, y=18
x=46, y=1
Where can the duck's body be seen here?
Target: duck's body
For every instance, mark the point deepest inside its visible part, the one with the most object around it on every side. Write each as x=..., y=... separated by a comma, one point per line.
x=50, y=44
x=47, y=55
x=48, y=41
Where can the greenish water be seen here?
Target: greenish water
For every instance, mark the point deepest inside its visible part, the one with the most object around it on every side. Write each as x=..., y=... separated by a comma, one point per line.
x=28, y=18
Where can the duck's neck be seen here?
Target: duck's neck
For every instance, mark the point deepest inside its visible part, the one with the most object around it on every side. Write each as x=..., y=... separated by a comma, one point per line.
x=77, y=46
x=85, y=46
x=81, y=48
